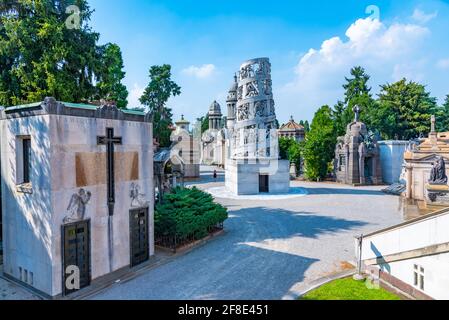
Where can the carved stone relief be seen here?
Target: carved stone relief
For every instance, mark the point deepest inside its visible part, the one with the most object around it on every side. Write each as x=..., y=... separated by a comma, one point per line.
x=77, y=206
x=252, y=89
x=240, y=93
x=243, y=112
x=267, y=83
x=137, y=198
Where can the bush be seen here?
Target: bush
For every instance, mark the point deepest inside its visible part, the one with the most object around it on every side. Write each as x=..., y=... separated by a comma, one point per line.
x=187, y=212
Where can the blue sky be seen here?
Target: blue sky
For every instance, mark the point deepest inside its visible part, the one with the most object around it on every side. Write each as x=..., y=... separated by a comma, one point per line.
x=311, y=44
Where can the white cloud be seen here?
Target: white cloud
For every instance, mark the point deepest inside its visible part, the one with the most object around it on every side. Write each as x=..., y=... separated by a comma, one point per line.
x=134, y=96
x=422, y=17
x=371, y=44
x=443, y=63
x=201, y=72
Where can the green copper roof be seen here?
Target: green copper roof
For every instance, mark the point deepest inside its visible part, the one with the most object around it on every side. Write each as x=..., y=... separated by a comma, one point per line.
x=80, y=105
x=24, y=106
x=136, y=112
x=71, y=105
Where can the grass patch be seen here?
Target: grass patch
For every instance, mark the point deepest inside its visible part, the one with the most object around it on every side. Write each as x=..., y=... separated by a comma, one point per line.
x=348, y=289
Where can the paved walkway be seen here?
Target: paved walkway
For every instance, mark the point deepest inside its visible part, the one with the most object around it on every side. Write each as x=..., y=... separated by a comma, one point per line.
x=271, y=249
x=11, y=291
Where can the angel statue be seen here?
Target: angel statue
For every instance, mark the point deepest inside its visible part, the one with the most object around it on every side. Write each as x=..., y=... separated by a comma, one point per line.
x=137, y=199
x=77, y=206
x=438, y=172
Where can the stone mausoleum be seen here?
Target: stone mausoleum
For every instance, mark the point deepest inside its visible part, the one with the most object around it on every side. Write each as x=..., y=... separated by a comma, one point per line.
x=77, y=191
x=357, y=160
x=253, y=165
x=420, y=160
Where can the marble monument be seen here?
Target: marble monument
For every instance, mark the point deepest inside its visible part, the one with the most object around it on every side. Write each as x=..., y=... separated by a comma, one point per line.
x=77, y=190
x=253, y=165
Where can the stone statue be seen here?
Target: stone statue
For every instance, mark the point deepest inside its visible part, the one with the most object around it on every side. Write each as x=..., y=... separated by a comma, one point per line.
x=438, y=172
x=77, y=206
x=356, y=110
x=137, y=199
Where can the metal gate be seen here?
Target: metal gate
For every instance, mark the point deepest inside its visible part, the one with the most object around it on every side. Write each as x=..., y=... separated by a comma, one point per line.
x=76, y=252
x=139, y=236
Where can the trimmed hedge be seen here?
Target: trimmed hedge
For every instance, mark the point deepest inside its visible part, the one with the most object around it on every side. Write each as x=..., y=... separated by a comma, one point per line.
x=187, y=212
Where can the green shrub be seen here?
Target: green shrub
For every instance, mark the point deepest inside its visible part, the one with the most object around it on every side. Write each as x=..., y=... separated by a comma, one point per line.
x=187, y=212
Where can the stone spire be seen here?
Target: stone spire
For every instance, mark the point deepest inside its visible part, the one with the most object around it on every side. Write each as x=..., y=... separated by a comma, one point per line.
x=231, y=103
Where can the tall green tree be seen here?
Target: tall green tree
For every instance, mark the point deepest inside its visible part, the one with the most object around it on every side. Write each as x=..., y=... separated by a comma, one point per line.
x=320, y=144
x=404, y=110
x=290, y=149
x=160, y=88
x=111, y=74
x=357, y=92
x=204, y=122
x=442, y=116
x=41, y=56
x=306, y=125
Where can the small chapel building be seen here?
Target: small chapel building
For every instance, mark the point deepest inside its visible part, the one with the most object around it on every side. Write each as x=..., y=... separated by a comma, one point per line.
x=77, y=191
x=292, y=130
x=357, y=160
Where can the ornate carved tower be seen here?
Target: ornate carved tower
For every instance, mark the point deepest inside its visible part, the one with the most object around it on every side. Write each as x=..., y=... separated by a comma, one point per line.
x=255, y=113
x=253, y=165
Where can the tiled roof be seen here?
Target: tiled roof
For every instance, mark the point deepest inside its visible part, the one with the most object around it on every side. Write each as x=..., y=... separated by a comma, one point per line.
x=291, y=125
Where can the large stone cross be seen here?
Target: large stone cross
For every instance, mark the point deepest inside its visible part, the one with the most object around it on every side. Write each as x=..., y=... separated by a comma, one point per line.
x=109, y=140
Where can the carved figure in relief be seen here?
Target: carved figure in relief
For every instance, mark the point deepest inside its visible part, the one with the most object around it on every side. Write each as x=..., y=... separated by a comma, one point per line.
x=252, y=89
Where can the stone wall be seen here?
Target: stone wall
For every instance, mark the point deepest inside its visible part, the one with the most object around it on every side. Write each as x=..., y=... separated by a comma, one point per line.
x=27, y=214
x=392, y=159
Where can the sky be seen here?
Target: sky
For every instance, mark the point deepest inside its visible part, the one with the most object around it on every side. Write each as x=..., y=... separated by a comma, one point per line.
x=312, y=46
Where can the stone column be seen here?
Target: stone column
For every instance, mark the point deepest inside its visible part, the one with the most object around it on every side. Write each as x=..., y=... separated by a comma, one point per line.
x=362, y=169
x=409, y=181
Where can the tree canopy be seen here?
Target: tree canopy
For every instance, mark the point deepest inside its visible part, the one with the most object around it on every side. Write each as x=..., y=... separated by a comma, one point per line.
x=111, y=74
x=357, y=92
x=320, y=144
x=403, y=110
x=290, y=149
x=155, y=97
x=47, y=50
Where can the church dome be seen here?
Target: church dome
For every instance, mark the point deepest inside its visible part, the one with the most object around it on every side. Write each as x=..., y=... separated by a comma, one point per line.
x=215, y=108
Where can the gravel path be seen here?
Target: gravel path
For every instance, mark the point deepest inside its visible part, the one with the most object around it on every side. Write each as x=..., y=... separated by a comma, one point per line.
x=271, y=249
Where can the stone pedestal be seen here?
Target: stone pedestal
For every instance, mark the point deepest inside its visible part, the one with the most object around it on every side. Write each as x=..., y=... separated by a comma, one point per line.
x=293, y=171
x=437, y=194
x=242, y=178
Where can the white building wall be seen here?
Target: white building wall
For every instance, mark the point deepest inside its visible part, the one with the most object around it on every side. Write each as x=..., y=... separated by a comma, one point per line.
x=391, y=159
x=27, y=217
x=436, y=274
x=414, y=235
x=71, y=135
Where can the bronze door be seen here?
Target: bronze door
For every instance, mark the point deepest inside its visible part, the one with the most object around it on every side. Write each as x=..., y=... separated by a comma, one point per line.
x=139, y=236
x=76, y=252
